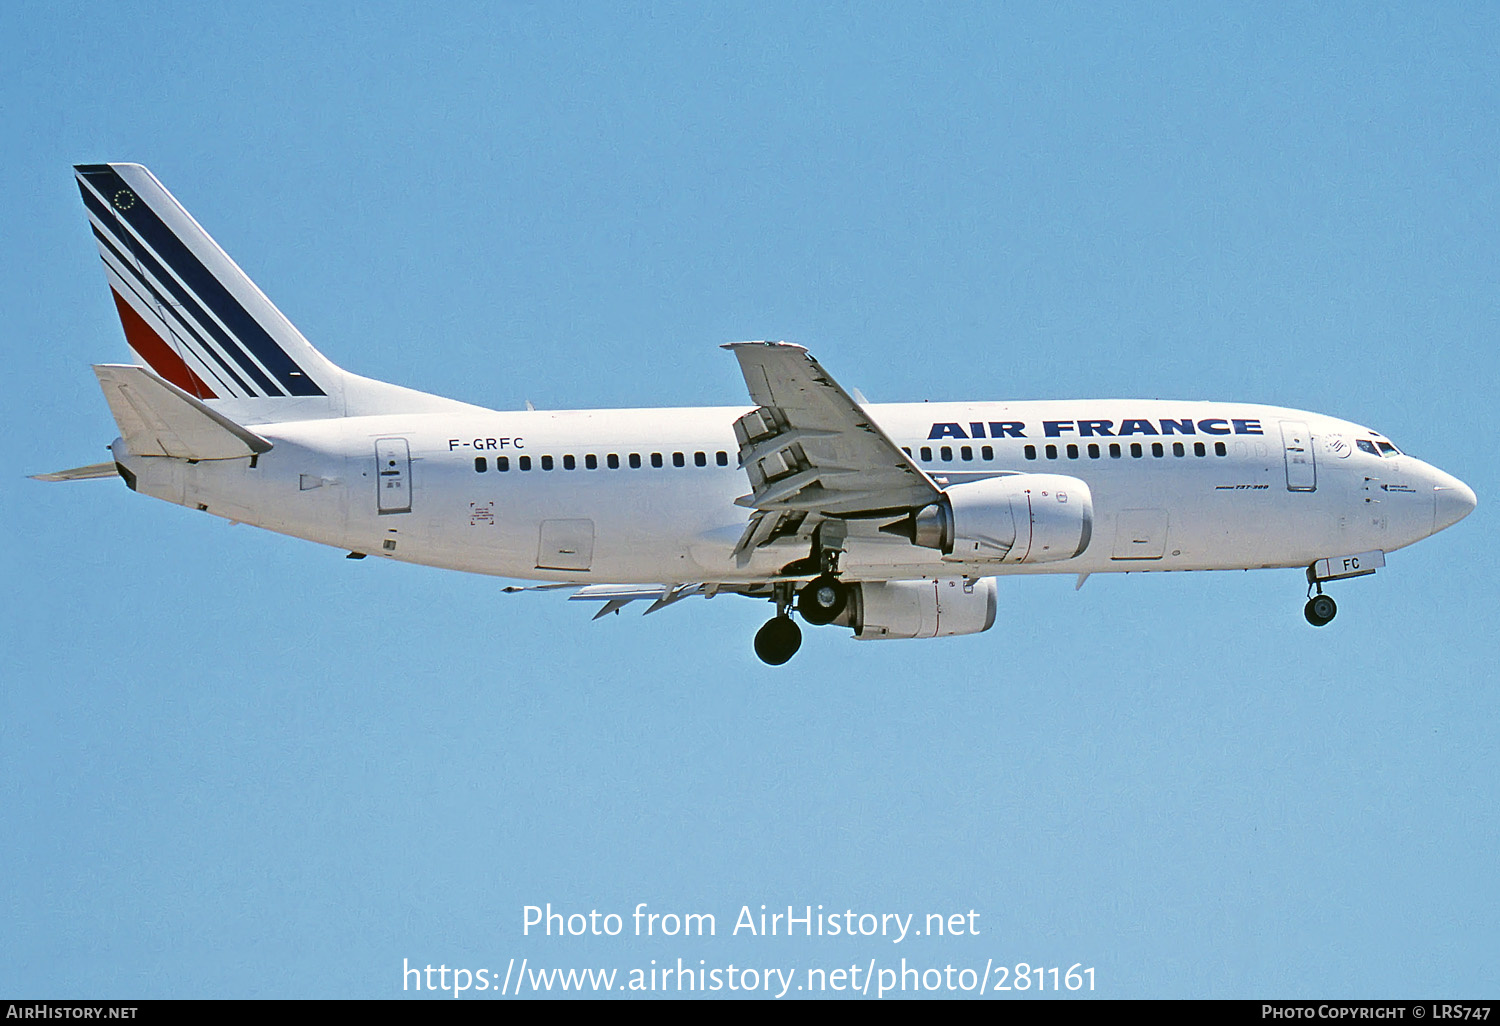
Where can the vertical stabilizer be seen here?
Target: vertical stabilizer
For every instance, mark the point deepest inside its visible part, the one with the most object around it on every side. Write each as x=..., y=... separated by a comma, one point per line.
x=199, y=322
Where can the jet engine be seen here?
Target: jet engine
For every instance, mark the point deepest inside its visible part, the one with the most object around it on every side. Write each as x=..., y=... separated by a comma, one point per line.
x=1017, y=518
x=920, y=609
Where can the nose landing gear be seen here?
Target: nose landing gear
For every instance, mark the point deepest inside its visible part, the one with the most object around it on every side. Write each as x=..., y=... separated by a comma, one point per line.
x=1320, y=609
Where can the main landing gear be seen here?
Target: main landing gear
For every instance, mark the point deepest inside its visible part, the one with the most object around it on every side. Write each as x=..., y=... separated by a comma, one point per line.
x=779, y=639
x=820, y=601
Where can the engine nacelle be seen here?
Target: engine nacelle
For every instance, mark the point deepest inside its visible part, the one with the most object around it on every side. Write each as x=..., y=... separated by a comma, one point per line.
x=920, y=609
x=1018, y=518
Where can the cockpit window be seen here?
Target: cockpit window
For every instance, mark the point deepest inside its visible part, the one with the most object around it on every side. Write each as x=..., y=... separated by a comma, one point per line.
x=1365, y=445
x=1387, y=449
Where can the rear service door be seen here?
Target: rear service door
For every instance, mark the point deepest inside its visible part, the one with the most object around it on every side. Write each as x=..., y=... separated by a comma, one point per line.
x=392, y=476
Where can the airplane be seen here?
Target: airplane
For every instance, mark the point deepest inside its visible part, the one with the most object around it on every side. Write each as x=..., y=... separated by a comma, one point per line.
x=892, y=520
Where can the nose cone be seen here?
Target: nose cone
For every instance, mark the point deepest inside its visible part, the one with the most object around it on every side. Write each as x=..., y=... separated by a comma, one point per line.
x=1452, y=500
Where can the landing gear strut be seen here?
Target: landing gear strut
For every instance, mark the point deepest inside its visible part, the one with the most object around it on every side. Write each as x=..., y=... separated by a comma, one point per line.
x=780, y=637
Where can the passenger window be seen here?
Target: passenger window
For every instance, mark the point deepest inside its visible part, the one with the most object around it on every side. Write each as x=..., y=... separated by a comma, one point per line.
x=700, y=459
x=502, y=463
x=926, y=454
x=1051, y=451
x=591, y=462
x=1157, y=449
x=546, y=462
x=1093, y=450
x=987, y=453
x=569, y=463
x=966, y=452
x=656, y=460
x=1220, y=449
x=1178, y=449
x=1072, y=451
x=906, y=449
x=1030, y=452
x=524, y=462
x=612, y=461
x=481, y=464
x=635, y=461
x=946, y=452
x=721, y=458
x=1135, y=450
x=1115, y=452
x=1199, y=449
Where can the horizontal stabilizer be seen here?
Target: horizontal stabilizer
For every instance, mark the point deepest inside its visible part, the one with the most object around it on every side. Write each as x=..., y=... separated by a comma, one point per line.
x=157, y=418
x=88, y=473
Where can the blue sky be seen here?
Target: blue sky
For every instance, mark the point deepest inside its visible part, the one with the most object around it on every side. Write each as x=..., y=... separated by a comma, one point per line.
x=236, y=764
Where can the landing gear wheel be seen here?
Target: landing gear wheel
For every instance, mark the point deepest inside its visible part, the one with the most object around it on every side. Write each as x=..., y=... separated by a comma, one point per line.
x=778, y=640
x=1320, y=609
x=822, y=600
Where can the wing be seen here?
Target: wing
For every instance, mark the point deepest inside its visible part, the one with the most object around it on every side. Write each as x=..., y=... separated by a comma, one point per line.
x=812, y=452
x=617, y=596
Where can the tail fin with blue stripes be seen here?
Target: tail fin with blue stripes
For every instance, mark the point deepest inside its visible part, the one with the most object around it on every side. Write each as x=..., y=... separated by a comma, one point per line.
x=199, y=322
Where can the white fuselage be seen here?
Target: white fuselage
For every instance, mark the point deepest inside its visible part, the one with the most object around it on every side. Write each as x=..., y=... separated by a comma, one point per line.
x=1234, y=486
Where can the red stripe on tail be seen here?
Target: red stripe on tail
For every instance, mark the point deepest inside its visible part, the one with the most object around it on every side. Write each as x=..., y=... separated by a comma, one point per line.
x=157, y=354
